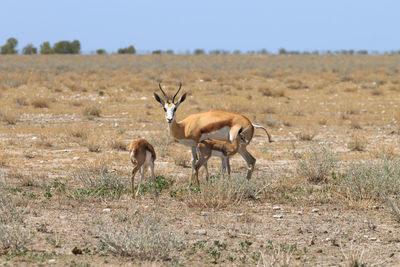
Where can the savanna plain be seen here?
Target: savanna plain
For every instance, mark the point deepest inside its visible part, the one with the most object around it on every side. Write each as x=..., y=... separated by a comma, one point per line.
x=324, y=193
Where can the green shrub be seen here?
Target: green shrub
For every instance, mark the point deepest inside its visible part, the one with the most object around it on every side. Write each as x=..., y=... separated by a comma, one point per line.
x=372, y=180
x=316, y=164
x=99, y=182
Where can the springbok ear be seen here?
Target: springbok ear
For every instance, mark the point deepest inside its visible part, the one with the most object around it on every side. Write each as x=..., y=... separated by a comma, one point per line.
x=159, y=99
x=183, y=97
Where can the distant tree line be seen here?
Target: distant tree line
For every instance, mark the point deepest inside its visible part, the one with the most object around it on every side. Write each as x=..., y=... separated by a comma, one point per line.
x=74, y=47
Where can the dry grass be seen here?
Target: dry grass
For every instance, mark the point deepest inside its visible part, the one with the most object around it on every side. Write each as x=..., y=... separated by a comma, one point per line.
x=9, y=117
x=104, y=101
x=358, y=143
x=13, y=233
x=40, y=103
x=146, y=238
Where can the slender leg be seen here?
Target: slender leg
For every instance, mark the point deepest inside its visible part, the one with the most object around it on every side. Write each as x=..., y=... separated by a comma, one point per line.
x=194, y=158
x=207, y=173
x=154, y=178
x=228, y=167
x=250, y=160
x=223, y=164
x=134, y=170
x=203, y=160
x=141, y=178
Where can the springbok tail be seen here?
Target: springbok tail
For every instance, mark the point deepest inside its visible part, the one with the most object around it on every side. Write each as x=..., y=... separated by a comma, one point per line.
x=261, y=127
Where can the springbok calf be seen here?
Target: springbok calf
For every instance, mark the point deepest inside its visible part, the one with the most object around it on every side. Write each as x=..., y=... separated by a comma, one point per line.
x=142, y=155
x=215, y=124
x=223, y=149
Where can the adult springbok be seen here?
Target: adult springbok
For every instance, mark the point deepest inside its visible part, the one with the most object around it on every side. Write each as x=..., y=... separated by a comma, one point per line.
x=142, y=155
x=216, y=124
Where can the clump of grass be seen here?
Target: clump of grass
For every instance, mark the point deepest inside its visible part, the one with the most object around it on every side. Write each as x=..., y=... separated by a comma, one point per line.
x=40, y=103
x=316, y=164
x=221, y=192
x=162, y=183
x=100, y=182
x=94, y=147
x=118, y=145
x=357, y=143
x=372, y=180
x=79, y=133
x=146, y=238
x=13, y=233
x=10, y=118
x=21, y=101
x=91, y=110
x=182, y=160
x=306, y=135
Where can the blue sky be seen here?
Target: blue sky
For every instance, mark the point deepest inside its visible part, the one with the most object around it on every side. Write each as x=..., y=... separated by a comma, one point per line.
x=187, y=25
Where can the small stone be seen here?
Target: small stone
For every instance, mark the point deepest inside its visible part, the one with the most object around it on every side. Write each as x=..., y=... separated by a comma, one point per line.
x=278, y=216
x=366, y=236
x=135, y=212
x=239, y=214
x=76, y=158
x=299, y=212
x=34, y=138
x=276, y=208
x=77, y=251
x=200, y=232
x=327, y=239
x=315, y=210
x=319, y=251
x=203, y=213
x=373, y=239
x=143, y=98
x=51, y=260
x=107, y=210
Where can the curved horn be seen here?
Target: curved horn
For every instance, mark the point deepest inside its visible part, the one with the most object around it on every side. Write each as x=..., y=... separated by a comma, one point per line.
x=173, y=98
x=165, y=95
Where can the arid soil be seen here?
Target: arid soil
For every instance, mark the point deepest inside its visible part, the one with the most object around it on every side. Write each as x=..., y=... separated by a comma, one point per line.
x=66, y=122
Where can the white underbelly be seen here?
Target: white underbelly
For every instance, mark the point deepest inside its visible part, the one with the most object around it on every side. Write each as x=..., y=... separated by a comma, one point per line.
x=221, y=134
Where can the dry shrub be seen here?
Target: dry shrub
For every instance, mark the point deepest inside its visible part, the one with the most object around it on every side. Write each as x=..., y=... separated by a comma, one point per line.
x=91, y=110
x=145, y=238
x=40, y=103
x=78, y=133
x=316, y=164
x=222, y=192
x=182, y=159
x=9, y=117
x=118, y=145
x=355, y=125
x=267, y=91
x=357, y=143
x=306, y=135
x=377, y=92
x=21, y=101
x=93, y=146
x=44, y=142
x=13, y=233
